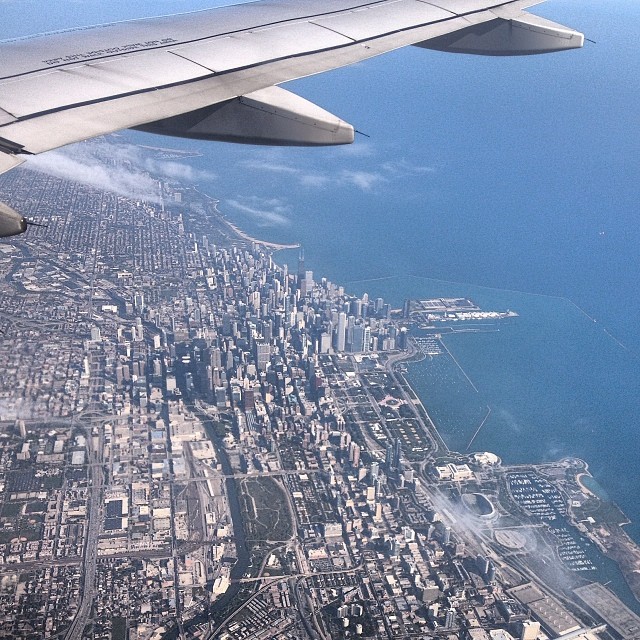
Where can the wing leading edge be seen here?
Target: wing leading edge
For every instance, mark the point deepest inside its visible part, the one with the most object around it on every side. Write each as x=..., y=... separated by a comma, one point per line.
x=213, y=74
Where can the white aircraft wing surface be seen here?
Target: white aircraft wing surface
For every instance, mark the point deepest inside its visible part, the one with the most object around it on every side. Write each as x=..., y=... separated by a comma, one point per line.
x=213, y=74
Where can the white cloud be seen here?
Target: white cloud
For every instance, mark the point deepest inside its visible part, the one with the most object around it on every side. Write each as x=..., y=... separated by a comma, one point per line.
x=268, y=166
x=402, y=167
x=123, y=169
x=267, y=162
x=364, y=180
x=317, y=180
x=177, y=171
x=91, y=171
x=344, y=168
x=267, y=212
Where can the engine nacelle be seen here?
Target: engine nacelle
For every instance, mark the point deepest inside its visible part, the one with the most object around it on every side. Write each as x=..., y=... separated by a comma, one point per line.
x=11, y=222
x=271, y=116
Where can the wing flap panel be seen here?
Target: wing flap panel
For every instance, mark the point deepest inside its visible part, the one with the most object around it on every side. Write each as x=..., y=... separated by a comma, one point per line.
x=84, y=45
x=271, y=116
x=460, y=7
x=84, y=83
x=9, y=161
x=6, y=118
x=400, y=39
x=246, y=49
x=364, y=23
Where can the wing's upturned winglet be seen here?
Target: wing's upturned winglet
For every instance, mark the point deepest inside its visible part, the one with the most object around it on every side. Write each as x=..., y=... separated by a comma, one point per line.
x=525, y=35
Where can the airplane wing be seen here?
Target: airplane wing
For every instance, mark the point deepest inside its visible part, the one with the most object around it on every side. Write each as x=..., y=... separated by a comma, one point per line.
x=214, y=74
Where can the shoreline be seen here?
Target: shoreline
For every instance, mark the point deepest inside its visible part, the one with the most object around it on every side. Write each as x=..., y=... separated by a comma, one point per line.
x=213, y=204
x=533, y=294
x=275, y=246
x=584, y=488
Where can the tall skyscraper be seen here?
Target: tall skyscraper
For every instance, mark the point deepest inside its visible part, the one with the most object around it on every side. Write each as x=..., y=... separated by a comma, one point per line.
x=392, y=455
x=262, y=352
x=450, y=619
x=366, y=340
x=397, y=452
x=357, y=341
x=301, y=271
x=354, y=454
x=483, y=563
x=249, y=399
x=324, y=343
x=216, y=357
x=138, y=302
x=341, y=332
x=306, y=283
x=388, y=458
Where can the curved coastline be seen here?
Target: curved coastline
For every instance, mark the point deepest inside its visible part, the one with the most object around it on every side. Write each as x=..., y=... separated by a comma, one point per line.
x=585, y=489
x=590, y=486
x=274, y=246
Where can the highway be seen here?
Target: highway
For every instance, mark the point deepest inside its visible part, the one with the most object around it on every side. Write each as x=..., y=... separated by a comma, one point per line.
x=96, y=473
x=91, y=542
